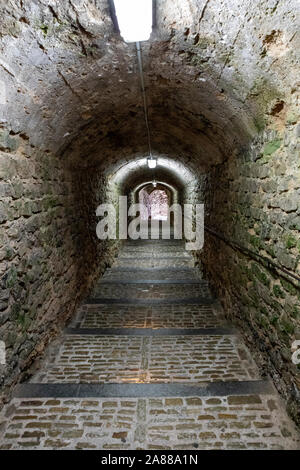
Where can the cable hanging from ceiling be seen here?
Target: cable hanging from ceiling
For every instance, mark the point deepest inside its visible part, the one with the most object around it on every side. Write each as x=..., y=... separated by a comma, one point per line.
x=151, y=161
x=134, y=20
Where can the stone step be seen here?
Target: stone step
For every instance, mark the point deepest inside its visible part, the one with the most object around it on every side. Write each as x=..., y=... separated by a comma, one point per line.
x=151, y=291
x=126, y=273
x=49, y=419
x=151, y=302
x=149, y=359
x=154, y=242
x=148, y=363
x=153, y=254
x=141, y=316
x=117, y=281
x=142, y=390
x=151, y=262
x=150, y=331
x=155, y=249
x=153, y=269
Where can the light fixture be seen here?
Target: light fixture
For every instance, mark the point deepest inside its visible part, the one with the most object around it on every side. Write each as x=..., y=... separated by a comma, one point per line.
x=134, y=19
x=152, y=162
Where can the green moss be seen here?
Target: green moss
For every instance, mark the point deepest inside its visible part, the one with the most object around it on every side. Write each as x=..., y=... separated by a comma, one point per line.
x=44, y=28
x=290, y=241
x=274, y=319
x=19, y=316
x=15, y=311
x=255, y=241
x=260, y=275
x=292, y=118
x=202, y=42
x=260, y=123
x=271, y=147
x=270, y=250
x=11, y=277
x=262, y=320
x=295, y=312
x=287, y=327
x=276, y=306
x=278, y=292
x=50, y=202
x=9, y=253
x=288, y=287
x=264, y=311
x=264, y=93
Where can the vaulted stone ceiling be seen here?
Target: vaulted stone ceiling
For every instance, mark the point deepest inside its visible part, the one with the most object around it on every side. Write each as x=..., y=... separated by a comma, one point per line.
x=213, y=72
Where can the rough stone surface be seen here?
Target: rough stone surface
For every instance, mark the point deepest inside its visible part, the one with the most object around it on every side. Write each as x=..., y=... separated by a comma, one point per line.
x=162, y=316
x=253, y=200
x=235, y=421
x=238, y=422
x=222, y=88
x=165, y=359
x=46, y=264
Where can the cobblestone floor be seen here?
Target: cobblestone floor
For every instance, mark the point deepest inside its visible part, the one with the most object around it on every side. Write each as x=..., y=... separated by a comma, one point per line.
x=163, y=316
x=151, y=291
x=188, y=359
x=159, y=274
x=149, y=354
x=233, y=422
x=155, y=254
x=142, y=250
x=151, y=262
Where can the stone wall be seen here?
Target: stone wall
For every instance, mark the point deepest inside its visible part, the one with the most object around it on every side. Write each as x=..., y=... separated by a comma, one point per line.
x=96, y=255
x=49, y=254
x=254, y=200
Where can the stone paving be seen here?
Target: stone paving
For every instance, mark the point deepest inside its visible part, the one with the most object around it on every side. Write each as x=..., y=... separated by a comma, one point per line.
x=136, y=345
x=154, y=254
x=159, y=274
x=162, y=359
x=151, y=291
x=132, y=316
x=150, y=262
x=233, y=422
x=155, y=250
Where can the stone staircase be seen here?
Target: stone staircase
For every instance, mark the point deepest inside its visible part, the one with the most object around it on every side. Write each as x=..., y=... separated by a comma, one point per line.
x=149, y=362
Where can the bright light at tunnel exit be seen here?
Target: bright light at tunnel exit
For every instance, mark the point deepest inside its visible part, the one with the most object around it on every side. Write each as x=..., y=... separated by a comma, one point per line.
x=134, y=19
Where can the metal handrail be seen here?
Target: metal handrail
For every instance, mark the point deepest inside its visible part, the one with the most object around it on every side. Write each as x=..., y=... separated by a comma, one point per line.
x=252, y=254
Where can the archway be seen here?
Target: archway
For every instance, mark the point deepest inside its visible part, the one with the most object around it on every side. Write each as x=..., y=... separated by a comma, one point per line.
x=158, y=199
x=154, y=203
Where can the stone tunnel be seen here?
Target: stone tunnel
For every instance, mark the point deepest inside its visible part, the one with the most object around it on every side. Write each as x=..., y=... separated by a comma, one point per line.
x=222, y=85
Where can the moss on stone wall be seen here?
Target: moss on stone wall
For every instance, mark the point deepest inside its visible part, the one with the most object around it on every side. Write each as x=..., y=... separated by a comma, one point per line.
x=268, y=298
x=49, y=254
